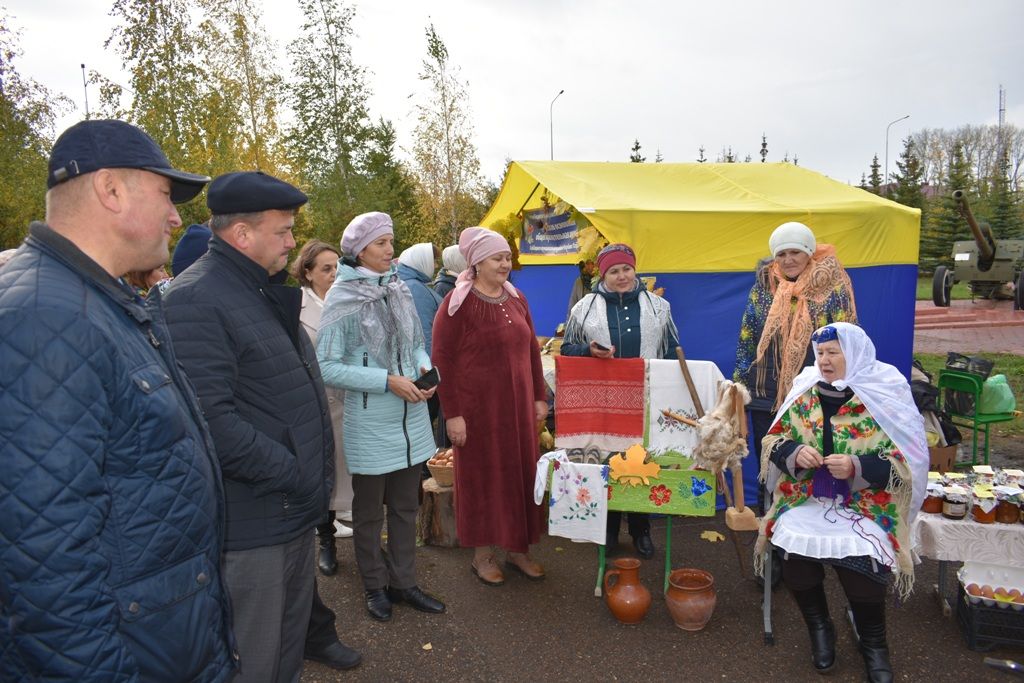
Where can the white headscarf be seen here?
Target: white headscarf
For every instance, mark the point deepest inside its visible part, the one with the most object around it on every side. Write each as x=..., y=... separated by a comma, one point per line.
x=885, y=392
x=453, y=259
x=419, y=257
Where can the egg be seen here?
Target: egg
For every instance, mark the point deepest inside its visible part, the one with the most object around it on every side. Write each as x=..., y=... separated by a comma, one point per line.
x=1013, y=593
x=973, y=589
x=1019, y=600
x=987, y=592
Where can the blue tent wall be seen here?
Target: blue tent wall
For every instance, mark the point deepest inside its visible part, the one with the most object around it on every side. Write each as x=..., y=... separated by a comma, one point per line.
x=708, y=307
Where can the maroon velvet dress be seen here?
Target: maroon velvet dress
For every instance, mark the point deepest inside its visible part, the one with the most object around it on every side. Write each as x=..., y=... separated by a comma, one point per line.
x=491, y=376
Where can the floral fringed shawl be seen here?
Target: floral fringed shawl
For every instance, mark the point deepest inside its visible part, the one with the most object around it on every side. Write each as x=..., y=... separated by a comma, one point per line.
x=787, y=312
x=856, y=433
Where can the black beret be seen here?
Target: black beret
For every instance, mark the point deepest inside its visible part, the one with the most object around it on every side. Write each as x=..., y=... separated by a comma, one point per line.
x=251, y=192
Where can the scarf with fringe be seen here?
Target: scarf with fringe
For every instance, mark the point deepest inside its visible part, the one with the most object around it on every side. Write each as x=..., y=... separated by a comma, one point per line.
x=789, y=321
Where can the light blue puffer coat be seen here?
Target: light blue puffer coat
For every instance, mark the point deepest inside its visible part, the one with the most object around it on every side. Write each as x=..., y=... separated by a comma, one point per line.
x=383, y=433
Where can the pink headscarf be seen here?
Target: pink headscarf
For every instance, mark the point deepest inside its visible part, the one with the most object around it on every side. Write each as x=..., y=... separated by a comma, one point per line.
x=476, y=244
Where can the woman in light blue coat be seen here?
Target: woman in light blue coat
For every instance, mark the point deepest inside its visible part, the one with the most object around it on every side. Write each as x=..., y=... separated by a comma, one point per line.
x=371, y=345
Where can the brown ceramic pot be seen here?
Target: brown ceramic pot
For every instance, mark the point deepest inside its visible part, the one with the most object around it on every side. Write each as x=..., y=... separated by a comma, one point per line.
x=627, y=598
x=691, y=598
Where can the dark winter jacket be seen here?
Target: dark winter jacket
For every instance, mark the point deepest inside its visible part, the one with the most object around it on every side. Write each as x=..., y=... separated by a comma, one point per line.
x=444, y=282
x=258, y=381
x=111, y=513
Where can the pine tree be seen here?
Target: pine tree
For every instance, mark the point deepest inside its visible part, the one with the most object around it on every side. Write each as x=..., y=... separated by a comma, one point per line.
x=27, y=114
x=864, y=182
x=657, y=156
x=945, y=225
x=445, y=158
x=634, y=153
x=875, y=178
x=385, y=184
x=1002, y=208
x=907, y=179
x=700, y=157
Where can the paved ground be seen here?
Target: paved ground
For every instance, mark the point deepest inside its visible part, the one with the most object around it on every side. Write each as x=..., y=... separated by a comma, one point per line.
x=557, y=629
x=973, y=339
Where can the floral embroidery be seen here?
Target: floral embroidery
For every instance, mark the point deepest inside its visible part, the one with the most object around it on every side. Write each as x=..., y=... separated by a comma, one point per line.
x=583, y=496
x=660, y=495
x=854, y=432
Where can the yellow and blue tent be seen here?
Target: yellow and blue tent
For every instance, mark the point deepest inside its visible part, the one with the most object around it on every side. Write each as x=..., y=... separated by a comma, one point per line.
x=701, y=229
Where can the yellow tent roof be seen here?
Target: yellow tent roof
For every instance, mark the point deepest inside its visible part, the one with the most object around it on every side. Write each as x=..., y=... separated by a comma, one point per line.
x=711, y=217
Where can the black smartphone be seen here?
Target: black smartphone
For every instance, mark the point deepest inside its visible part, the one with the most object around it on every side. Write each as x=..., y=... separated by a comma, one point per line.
x=431, y=378
x=601, y=347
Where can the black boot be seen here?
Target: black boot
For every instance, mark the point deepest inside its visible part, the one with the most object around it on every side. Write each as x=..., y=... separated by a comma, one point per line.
x=814, y=608
x=327, y=559
x=869, y=618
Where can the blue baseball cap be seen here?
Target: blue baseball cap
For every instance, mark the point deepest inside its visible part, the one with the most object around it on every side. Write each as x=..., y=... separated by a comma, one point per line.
x=91, y=145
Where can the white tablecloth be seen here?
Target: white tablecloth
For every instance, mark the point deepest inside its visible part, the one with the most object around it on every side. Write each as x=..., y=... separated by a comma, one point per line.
x=960, y=540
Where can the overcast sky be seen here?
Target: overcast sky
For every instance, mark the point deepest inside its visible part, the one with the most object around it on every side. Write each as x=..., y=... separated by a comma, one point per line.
x=821, y=82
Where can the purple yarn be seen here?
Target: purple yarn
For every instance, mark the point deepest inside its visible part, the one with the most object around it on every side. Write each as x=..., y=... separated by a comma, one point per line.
x=824, y=485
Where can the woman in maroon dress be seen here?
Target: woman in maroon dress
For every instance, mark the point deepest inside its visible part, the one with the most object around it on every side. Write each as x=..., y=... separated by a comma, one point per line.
x=493, y=395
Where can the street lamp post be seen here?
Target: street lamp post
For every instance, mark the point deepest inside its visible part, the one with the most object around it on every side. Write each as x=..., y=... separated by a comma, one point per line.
x=886, y=182
x=551, y=122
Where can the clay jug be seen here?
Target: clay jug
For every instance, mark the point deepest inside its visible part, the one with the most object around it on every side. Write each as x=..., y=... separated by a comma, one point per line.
x=690, y=598
x=627, y=598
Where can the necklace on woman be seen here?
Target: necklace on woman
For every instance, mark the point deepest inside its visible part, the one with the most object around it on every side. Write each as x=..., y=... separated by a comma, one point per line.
x=499, y=299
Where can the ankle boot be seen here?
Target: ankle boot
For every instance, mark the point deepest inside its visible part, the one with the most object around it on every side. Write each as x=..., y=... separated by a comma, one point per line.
x=327, y=559
x=814, y=608
x=869, y=618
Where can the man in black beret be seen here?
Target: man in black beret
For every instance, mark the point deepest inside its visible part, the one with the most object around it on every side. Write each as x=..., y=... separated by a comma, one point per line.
x=256, y=373
x=111, y=505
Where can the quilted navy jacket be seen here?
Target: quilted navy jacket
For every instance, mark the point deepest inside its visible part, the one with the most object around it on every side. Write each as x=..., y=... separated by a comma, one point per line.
x=258, y=381
x=111, y=519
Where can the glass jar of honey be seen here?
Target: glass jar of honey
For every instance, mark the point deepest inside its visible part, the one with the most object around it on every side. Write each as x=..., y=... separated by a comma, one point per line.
x=1007, y=512
x=982, y=516
x=953, y=508
x=933, y=503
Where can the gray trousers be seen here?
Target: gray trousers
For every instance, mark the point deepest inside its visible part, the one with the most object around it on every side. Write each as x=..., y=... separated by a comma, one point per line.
x=399, y=491
x=271, y=592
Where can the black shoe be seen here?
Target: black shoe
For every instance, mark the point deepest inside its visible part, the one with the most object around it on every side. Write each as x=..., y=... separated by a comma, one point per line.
x=644, y=546
x=814, y=608
x=337, y=655
x=327, y=559
x=416, y=599
x=378, y=604
x=869, y=618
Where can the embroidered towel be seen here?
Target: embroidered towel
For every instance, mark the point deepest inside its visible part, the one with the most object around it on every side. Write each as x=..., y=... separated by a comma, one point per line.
x=599, y=403
x=668, y=391
x=578, y=507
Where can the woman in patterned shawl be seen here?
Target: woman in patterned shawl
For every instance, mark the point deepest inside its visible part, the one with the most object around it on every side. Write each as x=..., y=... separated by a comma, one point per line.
x=801, y=289
x=847, y=461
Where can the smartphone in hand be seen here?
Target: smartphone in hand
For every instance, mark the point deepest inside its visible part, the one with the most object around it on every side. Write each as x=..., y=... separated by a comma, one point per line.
x=600, y=347
x=431, y=378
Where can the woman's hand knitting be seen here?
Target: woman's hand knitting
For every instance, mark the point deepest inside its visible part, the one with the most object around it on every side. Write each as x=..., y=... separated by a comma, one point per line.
x=808, y=458
x=839, y=465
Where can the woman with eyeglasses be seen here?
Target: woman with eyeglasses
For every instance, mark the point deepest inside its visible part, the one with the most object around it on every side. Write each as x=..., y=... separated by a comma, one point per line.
x=621, y=319
x=802, y=288
x=847, y=462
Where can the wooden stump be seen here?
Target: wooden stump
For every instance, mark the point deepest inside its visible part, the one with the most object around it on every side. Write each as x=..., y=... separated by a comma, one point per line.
x=435, y=524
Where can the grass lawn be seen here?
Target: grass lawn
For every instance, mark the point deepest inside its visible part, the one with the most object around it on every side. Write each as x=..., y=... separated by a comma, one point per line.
x=924, y=290
x=1005, y=364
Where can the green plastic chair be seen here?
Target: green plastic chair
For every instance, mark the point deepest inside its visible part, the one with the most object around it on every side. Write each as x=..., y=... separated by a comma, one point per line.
x=971, y=384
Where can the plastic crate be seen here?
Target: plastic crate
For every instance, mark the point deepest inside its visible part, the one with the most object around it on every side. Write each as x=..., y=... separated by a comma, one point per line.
x=988, y=627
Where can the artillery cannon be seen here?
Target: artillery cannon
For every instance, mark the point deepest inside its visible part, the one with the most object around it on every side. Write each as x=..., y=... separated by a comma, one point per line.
x=986, y=263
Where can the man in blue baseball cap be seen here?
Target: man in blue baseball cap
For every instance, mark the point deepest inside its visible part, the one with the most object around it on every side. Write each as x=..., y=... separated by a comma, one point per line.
x=111, y=506
x=255, y=370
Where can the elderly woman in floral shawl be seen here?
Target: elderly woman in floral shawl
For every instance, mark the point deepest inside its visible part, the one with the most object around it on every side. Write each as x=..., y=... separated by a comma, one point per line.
x=802, y=288
x=847, y=461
